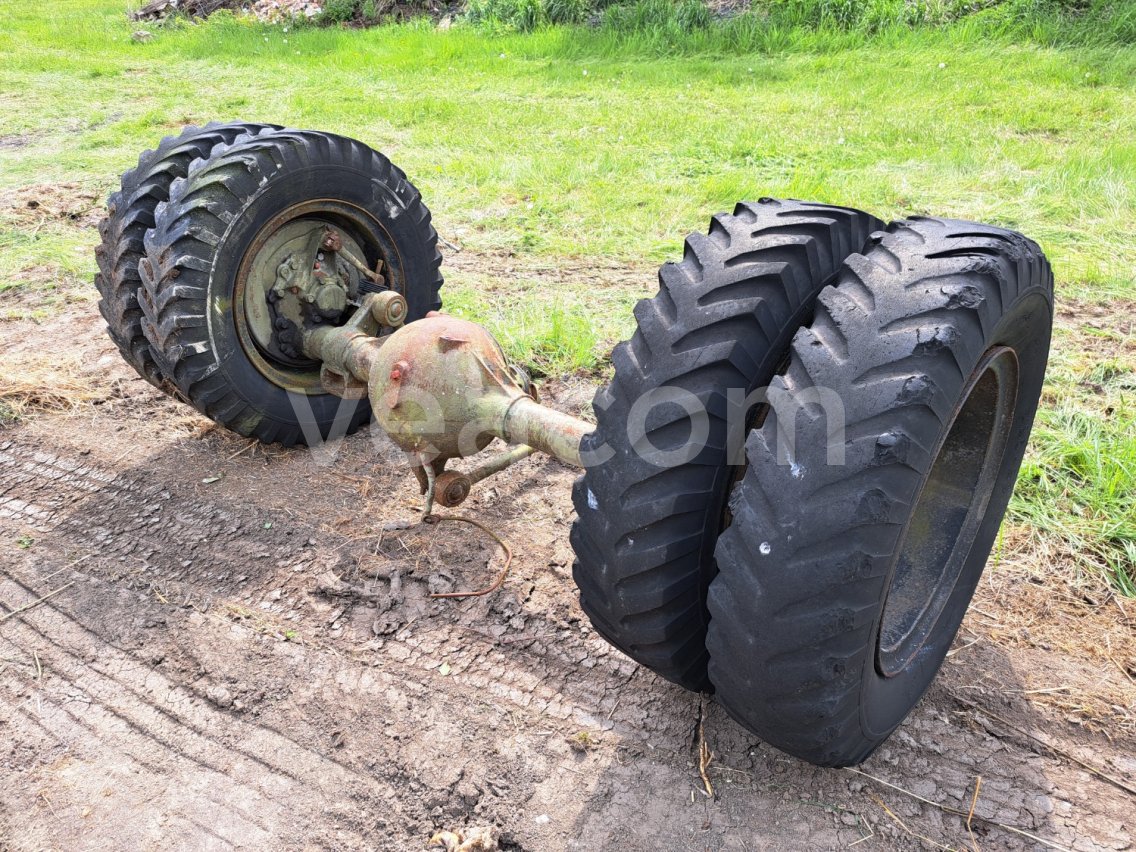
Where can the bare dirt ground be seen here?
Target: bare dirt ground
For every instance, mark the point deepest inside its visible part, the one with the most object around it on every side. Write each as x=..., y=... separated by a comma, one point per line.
x=234, y=654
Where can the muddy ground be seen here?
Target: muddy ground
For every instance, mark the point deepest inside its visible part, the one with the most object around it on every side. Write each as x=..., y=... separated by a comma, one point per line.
x=236, y=655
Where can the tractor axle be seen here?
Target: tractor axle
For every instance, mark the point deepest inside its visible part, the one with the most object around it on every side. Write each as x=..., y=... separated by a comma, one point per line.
x=316, y=273
x=441, y=388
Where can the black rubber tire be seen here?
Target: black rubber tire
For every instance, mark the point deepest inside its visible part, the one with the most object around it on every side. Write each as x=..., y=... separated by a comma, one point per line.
x=130, y=213
x=723, y=318
x=200, y=237
x=807, y=563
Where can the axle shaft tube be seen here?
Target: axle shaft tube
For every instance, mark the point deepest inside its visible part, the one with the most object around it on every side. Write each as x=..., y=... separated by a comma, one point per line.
x=550, y=431
x=499, y=462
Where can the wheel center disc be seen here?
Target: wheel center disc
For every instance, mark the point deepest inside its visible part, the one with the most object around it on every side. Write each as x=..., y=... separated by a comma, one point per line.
x=948, y=510
x=281, y=262
x=301, y=270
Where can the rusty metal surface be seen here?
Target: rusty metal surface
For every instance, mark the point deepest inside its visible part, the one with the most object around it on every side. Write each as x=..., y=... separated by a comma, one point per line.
x=548, y=430
x=499, y=462
x=441, y=388
x=301, y=271
x=389, y=308
x=452, y=487
x=346, y=353
x=430, y=383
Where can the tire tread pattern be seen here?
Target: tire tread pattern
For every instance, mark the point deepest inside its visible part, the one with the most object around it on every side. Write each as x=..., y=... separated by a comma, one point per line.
x=130, y=213
x=723, y=315
x=803, y=566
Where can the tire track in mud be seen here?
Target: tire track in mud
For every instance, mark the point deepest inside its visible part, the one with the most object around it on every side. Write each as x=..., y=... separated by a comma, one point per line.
x=122, y=714
x=28, y=479
x=123, y=701
x=59, y=727
x=144, y=526
x=538, y=681
x=122, y=516
x=553, y=669
x=555, y=685
x=74, y=733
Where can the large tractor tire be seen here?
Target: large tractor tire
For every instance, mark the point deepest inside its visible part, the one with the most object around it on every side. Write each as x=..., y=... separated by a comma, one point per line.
x=722, y=320
x=843, y=578
x=233, y=237
x=130, y=213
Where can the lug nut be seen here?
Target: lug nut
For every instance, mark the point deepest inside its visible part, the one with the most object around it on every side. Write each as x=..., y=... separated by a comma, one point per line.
x=332, y=241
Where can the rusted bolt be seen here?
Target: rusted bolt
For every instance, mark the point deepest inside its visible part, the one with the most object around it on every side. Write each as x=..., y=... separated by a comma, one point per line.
x=451, y=488
x=397, y=371
x=332, y=241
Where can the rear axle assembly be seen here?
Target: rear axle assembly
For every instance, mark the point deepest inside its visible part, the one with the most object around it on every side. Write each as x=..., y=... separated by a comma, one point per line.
x=793, y=480
x=441, y=389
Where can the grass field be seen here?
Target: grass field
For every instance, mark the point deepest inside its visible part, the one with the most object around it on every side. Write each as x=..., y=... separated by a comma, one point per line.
x=574, y=146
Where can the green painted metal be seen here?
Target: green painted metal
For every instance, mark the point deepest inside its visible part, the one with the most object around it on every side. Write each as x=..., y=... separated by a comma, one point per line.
x=441, y=388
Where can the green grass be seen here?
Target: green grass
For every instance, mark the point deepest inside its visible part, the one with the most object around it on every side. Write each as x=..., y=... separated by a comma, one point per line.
x=688, y=26
x=1078, y=482
x=549, y=340
x=518, y=149
x=39, y=265
x=567, y=144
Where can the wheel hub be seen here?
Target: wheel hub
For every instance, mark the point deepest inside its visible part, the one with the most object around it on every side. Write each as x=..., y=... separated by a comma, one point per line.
x=305, y=269
x=299, y=279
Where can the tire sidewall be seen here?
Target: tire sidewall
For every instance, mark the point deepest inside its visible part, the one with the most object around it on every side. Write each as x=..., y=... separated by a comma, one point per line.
x=1025, y=327
x=408, y=269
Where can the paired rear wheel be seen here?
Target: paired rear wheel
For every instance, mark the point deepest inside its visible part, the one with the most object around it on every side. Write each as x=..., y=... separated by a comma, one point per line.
x=816, y=581
x=203, y=260
x=722, y=321
x=798, y=469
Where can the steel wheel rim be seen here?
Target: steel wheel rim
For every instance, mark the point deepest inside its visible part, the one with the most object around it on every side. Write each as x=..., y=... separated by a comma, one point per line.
x=942, y=526
x=361, y=232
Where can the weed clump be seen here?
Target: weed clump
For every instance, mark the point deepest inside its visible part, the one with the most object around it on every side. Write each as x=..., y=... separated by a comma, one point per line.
x=754, y=24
